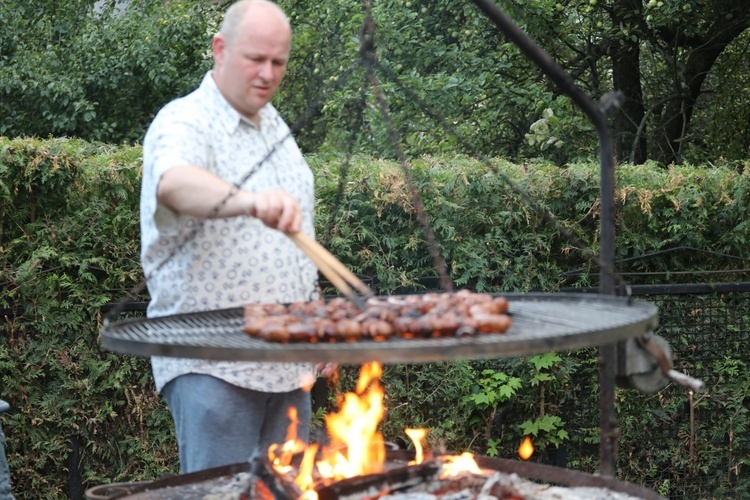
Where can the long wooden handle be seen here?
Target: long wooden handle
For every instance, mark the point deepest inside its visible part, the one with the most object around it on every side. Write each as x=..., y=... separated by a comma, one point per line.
x=336, y=272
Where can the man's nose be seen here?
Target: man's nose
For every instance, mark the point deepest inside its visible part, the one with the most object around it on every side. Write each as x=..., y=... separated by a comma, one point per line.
x=266, y=70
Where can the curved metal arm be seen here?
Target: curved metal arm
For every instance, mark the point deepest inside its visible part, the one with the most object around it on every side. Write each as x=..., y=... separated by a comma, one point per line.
x=598, y=115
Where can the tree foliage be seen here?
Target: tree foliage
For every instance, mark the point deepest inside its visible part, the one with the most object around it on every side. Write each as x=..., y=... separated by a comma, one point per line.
x=69, y=71
x=667, y=59
x=452, y=81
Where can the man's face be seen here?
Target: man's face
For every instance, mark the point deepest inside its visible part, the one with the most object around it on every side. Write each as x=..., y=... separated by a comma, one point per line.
x=250, y=67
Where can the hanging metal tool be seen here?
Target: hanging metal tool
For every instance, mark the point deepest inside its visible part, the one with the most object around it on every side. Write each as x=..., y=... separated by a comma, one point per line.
x=648, y=366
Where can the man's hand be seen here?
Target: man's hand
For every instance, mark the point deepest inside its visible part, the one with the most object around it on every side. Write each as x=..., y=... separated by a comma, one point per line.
x=277, y=210
x=326, y=369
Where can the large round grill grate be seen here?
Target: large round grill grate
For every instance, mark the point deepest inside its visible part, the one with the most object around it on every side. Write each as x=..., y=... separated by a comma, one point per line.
x=541, y=323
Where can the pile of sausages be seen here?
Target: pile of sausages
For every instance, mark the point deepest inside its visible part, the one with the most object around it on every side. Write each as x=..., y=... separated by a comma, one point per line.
x=462, y=313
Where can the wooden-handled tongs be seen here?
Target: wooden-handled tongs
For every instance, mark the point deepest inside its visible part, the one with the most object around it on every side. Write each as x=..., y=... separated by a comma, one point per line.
x=336, y=272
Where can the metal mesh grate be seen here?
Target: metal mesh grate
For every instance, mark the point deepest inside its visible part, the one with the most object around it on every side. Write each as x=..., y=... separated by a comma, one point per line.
x=541, y=323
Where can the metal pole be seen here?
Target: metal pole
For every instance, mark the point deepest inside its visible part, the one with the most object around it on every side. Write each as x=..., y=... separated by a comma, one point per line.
x=598, y=115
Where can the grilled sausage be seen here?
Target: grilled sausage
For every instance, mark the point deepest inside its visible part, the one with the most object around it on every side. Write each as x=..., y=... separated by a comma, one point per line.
x=413, y=316
x=492, y=323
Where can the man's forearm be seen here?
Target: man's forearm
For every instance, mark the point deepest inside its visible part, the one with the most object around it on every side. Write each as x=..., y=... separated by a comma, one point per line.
x=191, y=190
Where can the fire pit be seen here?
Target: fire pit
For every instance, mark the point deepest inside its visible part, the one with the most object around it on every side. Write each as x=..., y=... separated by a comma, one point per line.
x=356, y=464
x=498, y=478
x=541, y=323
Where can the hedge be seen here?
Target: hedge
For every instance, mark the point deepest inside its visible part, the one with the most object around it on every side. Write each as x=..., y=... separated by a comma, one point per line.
x=69, y=245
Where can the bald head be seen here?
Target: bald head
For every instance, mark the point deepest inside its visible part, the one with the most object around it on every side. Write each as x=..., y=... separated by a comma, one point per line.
x=238, y=11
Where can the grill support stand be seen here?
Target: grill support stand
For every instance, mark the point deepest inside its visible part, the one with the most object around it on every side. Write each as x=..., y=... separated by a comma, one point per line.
x=598, y=115
x=610, y=353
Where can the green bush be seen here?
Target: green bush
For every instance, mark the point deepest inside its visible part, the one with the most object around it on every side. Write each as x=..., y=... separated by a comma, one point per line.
x=69, y=72
x=69, y=245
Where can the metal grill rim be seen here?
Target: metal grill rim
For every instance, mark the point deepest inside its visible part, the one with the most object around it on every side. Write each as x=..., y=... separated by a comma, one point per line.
x=541, y=323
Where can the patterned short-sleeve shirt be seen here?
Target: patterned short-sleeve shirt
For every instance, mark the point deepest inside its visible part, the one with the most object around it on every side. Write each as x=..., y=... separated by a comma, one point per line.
x=193, y=265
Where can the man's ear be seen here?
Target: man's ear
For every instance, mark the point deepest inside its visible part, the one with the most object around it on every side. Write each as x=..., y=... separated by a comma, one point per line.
x=218, y=47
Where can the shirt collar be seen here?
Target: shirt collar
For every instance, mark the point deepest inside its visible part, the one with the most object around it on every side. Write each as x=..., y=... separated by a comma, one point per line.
x=226, y=115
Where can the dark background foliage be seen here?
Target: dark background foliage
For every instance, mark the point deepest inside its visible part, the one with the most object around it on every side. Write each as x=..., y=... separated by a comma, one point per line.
x=67, y=70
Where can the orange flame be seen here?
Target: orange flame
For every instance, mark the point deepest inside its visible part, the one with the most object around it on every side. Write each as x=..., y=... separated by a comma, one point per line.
x=417, y=436
x=356, y=447
x=458, y=464
x=526, y=448
x=304, y=477
x=280, y=455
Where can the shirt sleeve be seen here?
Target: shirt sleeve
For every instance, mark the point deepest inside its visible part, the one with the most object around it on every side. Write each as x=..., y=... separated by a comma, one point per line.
x=172, y=140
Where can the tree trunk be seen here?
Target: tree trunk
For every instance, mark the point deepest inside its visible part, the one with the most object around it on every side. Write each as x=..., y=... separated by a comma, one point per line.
x=675, y=120
x=626, y=77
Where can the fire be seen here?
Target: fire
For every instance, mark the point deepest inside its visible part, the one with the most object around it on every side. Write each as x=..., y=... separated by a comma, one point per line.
x=459, y=464
x=356, y=446
x=417, y=436
x=304, y=477
x=526, y=448
x=281, y=455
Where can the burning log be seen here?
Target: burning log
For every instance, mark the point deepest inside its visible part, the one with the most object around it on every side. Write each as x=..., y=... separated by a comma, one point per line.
x=375, y=485
x=270, y=485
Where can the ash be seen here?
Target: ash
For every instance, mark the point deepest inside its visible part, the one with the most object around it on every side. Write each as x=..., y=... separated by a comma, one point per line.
x=232, y=490
x=221, y=488
x=500, y=485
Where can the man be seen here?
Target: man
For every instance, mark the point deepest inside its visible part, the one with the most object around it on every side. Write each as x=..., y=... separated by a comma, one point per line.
x=208, y=245
x=5, y=493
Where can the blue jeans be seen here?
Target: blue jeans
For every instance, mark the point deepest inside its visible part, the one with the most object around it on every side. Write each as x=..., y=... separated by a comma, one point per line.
x=218, y=423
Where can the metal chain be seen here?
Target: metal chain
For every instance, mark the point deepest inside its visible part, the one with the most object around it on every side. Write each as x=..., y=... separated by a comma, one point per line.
x=369, y=59
x=356, y=126
x=372, y=63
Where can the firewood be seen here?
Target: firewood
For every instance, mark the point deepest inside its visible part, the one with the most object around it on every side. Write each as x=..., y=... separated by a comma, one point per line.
x=374, y=485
